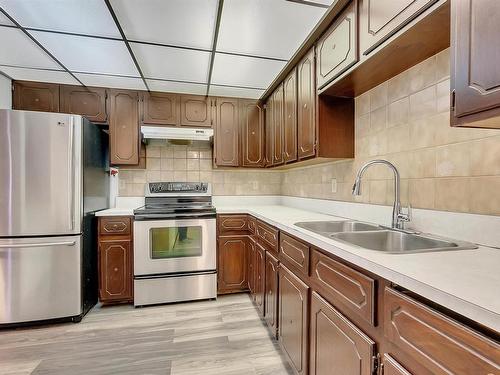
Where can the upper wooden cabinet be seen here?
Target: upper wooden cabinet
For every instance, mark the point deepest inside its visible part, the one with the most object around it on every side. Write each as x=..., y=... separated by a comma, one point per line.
x=197, y=111
x=35, y=96
x=269, y=131
x=475, y=71
x=278, y=155
x=86, y=101
x=290, y=118
x=306, y=107
x=337, y=345
x=124, y=127
x=160, y=108
x=226, y=132
x=252, y=134
x=337, y=50
x=380, y=19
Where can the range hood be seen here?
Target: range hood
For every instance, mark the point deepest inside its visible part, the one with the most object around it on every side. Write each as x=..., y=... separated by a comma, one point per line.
x=179, y=133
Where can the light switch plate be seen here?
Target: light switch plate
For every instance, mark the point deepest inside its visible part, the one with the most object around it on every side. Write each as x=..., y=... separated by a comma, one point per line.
x=334, y=185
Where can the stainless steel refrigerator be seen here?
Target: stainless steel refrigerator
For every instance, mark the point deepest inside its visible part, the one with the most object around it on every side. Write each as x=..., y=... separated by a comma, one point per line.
x=53, y=178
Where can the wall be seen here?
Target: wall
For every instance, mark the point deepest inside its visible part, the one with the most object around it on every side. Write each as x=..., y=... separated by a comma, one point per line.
x=406, y=121
x=5, y=92
x=166, y=162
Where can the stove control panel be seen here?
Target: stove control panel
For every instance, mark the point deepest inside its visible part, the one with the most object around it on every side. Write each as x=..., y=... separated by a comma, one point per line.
x=177, y=187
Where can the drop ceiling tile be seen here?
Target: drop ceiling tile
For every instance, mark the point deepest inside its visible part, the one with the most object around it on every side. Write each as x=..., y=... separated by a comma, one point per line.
x=180, y=87
x=74, y=16
x=100, y=80
x=322, y=2
x=23, y=51
x=236, y=92
x=264, y=27
x=244, y=71
x=172, y=63
x=89, y=55
x=4, y=20
x=39, y=75
x=188, y=23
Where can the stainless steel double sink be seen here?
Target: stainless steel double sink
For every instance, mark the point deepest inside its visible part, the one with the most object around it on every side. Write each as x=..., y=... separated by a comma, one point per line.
x=378, y=238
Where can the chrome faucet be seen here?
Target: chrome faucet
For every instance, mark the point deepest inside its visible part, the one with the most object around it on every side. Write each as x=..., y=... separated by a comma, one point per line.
x=398, y=217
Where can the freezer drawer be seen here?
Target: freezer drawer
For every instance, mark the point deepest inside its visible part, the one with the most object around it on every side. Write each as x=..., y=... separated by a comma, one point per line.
x=40, y=278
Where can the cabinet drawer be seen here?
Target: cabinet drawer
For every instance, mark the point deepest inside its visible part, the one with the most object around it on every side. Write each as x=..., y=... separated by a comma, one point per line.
x=345, y=285
x=232, y=223
x=268, y=236
x=337, y=50
x=439, y=343
x=294, y=253
x=252, y=225
x=115, y=225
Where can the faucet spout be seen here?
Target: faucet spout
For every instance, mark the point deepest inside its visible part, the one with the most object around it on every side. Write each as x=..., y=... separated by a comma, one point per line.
x=398, y=218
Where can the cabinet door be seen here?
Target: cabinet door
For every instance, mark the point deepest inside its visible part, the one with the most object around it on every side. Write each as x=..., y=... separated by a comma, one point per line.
x=292, y=319
x=86, y=101
x=232, y=264
x=290, y=117
x=380, y=19
x=271, y=292
x=34, y=96
x=278, y=126
x=306, y=107
x=124, y=127
x=160, y=108
x=196, y=111
x=260, y=277
x=115, y=271
x=251, y=265
x=337, y=346
x=475, y=71
x=226, y=133
x=392, y=367
x=252, y=133
x=269, y=127
x=338, y=48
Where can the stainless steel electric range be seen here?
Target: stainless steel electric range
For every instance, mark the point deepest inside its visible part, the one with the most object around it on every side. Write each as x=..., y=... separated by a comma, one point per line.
x=175, y=244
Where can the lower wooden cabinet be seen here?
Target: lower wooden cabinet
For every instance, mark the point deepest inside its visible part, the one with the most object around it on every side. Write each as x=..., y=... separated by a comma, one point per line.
x=391, y=367
x=271, y=293
x=260, y=277
x=336, y=345
x=293, y=320
x=115, y=260
x=251, y=265
x=232, y=264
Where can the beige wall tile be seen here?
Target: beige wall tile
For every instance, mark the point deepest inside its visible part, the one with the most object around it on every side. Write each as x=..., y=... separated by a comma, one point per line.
x=443, y=96
x=167, y=152
x=422, y=75
x=378, y=191
x=205, y=154
x=485, y=157
x=167, y=175
x=362, y=104
x=422, y=163
x=153, y=176
x=398, y=87
x=398, y=112
x=193, y=154
x=180, y=152
x=153, y=164
x=378, y=96
x=423, y=103
x=398, y=138
x=205, y=164
x=193, y=176
x=193, y=164
x=180, y=164
x=378, y=120
x=153, y=152
x=422, y=193
x=167, y=164
x=485, y=195
x=362, y=125
x=443, y=65
x=180, y=176
x=453, y=194
x=453, y=160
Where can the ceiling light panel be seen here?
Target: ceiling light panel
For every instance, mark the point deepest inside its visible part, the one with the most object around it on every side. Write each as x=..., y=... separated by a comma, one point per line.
x=249, y=72
x=111, y=81
x=178, y=87
x=236, y=92
x=89, y=55
x=188, y=23
x=272, y=28
x=38, y=75
x=22, y=51
x=90, y=17
x=172, y=63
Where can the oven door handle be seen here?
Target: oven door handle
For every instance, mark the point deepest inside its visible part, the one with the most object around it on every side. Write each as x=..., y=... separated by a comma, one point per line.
x=174, y=216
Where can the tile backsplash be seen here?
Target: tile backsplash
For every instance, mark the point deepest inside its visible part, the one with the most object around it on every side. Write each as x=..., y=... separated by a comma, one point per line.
x=167, y=162
x=404, y=120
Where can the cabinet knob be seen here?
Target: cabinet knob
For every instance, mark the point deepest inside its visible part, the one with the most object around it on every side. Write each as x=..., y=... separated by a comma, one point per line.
x=305, y=105
x=115, y=269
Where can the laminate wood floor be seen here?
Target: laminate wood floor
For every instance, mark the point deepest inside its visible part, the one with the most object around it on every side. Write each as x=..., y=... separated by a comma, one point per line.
x=222, y=337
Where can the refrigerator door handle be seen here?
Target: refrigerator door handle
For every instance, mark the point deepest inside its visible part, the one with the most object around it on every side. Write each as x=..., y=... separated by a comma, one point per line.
x=39, y=244
x=71, y=176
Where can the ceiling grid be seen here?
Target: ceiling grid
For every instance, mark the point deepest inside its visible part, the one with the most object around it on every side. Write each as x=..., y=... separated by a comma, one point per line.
x=214, y=47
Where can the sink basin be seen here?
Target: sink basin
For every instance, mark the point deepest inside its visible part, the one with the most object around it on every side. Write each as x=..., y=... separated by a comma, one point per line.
x=395, y=242
x=330, y=227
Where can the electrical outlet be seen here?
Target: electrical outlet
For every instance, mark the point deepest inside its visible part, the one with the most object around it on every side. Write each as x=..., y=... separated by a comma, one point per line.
x=334, y=185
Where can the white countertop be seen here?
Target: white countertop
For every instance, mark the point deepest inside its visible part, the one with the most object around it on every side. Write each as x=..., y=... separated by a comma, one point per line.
x=464, y=281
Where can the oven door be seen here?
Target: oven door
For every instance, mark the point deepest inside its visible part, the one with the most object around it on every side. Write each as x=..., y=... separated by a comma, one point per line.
x=174, y=246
